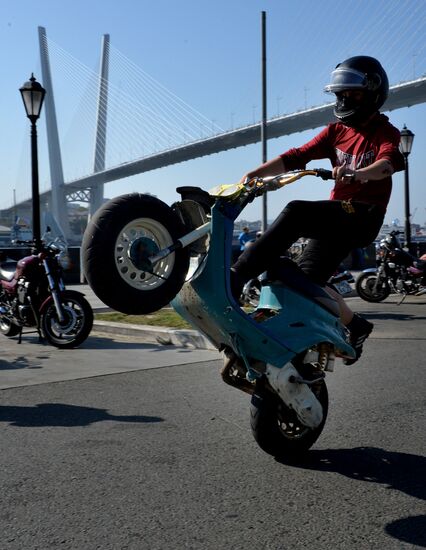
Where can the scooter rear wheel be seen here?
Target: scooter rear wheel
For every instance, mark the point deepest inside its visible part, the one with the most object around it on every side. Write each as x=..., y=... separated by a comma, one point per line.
x=276, y=428
x=122, y=235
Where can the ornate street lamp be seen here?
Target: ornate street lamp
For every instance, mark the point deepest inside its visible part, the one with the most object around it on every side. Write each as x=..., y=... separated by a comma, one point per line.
x=33, y=93
x=405, y=144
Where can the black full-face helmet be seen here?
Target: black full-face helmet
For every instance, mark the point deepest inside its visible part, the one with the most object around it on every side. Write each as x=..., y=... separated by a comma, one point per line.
x=358, y=73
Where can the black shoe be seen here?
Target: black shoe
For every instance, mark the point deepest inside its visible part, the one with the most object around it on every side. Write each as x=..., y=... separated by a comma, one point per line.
x=359, y=330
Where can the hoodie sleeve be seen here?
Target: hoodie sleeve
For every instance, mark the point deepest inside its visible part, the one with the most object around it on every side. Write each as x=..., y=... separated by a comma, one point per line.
x=317, y=148
x=389, y=147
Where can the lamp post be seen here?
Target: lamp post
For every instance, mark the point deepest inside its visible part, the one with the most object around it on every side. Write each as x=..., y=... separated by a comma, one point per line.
x=33, y=93
x=405, y=145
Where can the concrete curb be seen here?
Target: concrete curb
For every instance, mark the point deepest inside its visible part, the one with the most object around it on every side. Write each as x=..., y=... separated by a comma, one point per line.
x=156, y=335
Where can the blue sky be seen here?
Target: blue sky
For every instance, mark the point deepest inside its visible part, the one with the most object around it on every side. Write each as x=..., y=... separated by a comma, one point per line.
x=208, y=54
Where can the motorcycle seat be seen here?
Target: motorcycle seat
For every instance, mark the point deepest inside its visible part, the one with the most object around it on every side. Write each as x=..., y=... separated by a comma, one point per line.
x=289, y=274
x=7, y=270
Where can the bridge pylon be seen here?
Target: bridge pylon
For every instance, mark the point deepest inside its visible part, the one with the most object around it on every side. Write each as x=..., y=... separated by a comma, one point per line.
x=58, y=196
x=97, y=192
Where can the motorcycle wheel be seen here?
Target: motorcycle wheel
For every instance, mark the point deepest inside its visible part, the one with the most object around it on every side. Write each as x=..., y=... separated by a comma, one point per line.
x=8, y=328
x=277, y=429
x=77, y=324
x=113, y=249
x=365, y=288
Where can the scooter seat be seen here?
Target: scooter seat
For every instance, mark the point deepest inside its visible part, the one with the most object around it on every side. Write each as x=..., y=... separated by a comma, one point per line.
x=289, y=274
x=196, y=194
x=7, y=270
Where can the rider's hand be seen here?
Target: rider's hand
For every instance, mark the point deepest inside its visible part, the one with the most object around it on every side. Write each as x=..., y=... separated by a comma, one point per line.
x=245, y=178
x=343, y=174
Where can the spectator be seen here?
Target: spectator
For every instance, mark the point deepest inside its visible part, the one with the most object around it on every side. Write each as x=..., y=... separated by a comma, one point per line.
x=244, y=238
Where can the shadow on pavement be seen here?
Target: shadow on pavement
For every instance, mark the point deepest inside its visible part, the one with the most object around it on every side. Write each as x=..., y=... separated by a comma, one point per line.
x=60, y=414
x=411, y=530
x=399, y=471
x=20, y=362
x=388, y=316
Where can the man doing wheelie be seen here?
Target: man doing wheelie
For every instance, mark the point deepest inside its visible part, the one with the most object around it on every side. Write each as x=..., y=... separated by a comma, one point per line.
x=363, y=148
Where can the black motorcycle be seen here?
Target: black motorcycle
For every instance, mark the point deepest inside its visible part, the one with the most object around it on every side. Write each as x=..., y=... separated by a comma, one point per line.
x=397, y=271
x=33, y=295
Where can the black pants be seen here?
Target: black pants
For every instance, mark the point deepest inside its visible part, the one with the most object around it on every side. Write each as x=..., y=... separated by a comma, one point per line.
x=333, y=231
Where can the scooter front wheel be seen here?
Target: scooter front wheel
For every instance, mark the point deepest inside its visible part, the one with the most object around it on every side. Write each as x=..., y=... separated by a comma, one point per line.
x=277, y=429
x=116, y=248
x=365, y=287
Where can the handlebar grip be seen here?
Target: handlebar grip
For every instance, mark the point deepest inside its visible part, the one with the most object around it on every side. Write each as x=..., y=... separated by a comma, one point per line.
x=325, y=174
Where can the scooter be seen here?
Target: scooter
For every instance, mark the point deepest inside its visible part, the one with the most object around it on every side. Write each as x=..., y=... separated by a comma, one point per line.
x=138, y=255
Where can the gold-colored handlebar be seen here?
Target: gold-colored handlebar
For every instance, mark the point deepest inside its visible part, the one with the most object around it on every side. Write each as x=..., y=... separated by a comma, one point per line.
x=233, y=190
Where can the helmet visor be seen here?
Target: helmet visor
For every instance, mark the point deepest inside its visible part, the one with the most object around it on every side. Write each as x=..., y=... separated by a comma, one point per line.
x=346, y=79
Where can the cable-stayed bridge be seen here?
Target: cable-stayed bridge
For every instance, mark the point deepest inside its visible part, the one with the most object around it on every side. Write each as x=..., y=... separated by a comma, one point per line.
x=406, y=94
x=89, y=188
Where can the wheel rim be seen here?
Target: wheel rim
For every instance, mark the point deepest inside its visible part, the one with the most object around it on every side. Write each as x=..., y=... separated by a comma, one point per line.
x=4, y=323
x=289, y=425
x=368, y=287
x=137, y=241
x=73, y=322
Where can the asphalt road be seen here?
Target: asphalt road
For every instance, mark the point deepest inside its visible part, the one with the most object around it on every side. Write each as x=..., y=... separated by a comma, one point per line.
x=122, y=444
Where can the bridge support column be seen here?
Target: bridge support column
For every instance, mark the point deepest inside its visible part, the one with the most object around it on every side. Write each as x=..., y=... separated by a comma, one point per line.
x=96, y=199
x=59, y=202
x=97, y=193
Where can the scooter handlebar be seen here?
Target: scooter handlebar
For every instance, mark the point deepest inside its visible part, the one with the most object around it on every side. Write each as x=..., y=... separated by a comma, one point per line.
x=276, y=182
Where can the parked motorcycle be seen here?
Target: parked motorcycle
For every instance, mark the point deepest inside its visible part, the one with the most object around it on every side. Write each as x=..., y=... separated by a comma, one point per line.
x=33, y=295
x=397, y=271
x=136, y=253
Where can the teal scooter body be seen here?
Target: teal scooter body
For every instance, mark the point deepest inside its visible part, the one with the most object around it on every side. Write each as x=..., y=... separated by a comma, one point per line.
x=294, y=322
